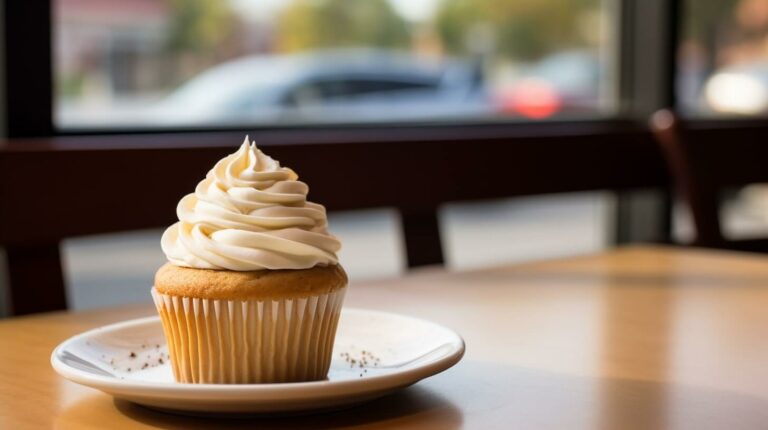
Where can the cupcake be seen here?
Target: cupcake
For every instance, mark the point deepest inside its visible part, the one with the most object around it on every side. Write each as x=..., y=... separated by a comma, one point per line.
x=253, y=289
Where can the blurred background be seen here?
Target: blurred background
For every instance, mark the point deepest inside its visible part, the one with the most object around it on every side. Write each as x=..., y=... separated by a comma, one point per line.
x=160, y=66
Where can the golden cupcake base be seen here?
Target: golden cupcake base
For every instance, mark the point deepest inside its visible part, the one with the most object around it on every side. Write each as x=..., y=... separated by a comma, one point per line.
x=251, y=341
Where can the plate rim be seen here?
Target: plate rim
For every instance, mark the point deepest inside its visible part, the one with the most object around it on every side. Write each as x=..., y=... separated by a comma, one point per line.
x=274, y=391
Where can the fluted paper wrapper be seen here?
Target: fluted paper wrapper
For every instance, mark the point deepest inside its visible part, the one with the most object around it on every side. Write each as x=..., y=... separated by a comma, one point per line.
x=251, y=341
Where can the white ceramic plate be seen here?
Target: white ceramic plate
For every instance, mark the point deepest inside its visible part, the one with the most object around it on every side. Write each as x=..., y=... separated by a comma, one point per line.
x=129, y=361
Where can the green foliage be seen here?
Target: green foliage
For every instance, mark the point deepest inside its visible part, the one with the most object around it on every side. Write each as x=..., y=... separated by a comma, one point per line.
x=702, y=16
x=309, y=24
x=520, y=29
x=198, y=25
x=70, y=85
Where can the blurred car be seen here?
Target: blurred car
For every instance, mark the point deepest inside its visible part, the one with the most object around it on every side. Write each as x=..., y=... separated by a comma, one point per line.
x=740, y=89
x=564, y=82
x=338, y=86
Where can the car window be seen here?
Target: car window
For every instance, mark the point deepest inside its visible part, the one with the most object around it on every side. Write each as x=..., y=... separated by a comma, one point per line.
x=367, y=86
x=330, y=89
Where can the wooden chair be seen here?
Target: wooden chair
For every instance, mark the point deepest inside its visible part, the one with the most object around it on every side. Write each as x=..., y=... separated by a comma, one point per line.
x=703, y=162
x=56, y=188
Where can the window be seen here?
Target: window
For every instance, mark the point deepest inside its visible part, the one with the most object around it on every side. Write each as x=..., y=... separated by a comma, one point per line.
x=172, y=63
x=723, y=58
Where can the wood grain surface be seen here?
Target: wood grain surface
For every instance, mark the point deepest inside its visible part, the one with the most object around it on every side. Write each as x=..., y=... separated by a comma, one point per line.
x=637, y=338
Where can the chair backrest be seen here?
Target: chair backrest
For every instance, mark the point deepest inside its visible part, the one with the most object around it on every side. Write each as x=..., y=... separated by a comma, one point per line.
x=55, y=188
x=702, y=162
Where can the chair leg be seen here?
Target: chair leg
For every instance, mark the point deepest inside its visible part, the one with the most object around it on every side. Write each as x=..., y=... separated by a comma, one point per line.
x=666, y=216
x=36, y=279
x=423, y=246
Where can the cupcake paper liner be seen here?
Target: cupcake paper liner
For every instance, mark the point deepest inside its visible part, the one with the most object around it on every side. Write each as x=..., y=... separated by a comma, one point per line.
x=250, y=341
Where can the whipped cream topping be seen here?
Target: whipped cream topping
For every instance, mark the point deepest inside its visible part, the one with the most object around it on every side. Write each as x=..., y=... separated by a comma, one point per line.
x=249, y=213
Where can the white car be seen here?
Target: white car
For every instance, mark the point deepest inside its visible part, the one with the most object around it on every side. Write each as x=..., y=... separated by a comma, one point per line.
x=336, y=86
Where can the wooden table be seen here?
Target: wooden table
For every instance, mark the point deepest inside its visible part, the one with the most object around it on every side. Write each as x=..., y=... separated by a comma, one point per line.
x=643, y=337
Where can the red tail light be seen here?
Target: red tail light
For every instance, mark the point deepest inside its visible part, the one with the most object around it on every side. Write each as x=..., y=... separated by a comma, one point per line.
x=531, y=98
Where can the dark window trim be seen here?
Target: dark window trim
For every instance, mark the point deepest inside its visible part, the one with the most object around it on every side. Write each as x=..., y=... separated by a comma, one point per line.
x=576, y=131
x=649, y=32
x=29, y=95
x=438, y=128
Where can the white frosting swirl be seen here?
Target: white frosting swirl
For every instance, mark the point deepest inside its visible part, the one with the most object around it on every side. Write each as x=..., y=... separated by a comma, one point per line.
x=250, y=214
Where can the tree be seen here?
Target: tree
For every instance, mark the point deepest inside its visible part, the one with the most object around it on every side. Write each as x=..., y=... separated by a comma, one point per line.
x=522, y=29
x=311, y=24
x=702, y=16
x=199, y=25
